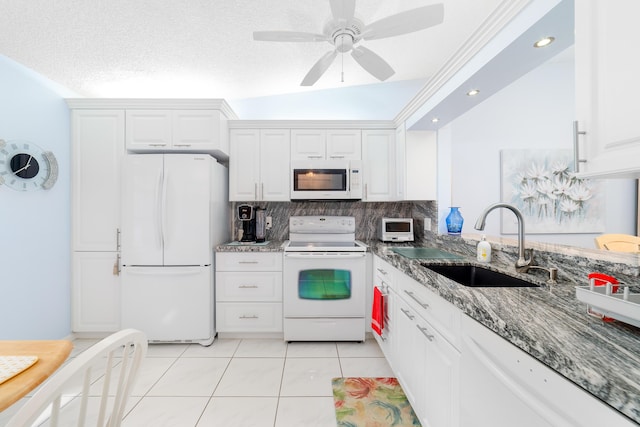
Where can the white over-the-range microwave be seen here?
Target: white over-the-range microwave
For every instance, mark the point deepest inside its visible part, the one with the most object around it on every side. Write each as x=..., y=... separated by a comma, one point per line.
x=326, y=180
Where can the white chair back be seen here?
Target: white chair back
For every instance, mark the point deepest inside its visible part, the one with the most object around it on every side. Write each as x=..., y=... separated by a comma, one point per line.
x=92, y=389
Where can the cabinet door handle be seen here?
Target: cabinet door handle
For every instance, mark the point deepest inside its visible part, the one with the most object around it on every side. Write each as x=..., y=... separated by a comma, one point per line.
x=408, y=314
x=117, y=239
x=425, y=332
x=382, y=271
x=255, y=191
x=315, y=157
x=262, y=191
x=576, y=146
x=413, y=297
x=248, y=286
x=116, y=266
x=157, y=145
x=182, y=145
x=247, y=262
x=336, y=157
x=248, y=317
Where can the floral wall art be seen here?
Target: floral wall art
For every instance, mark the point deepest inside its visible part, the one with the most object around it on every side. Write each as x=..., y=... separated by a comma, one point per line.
x=543, y=186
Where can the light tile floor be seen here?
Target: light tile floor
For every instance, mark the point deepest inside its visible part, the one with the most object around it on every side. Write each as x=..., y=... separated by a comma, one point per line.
x=243, y=383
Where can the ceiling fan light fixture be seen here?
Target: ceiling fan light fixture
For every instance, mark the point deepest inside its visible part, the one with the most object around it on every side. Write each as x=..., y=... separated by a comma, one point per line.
x=543, y=42
x=473, y=92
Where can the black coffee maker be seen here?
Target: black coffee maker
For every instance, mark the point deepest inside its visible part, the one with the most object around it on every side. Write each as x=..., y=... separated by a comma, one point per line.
x=246, y=215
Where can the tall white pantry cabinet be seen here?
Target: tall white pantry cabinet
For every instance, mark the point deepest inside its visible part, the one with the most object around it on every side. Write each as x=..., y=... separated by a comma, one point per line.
x=97, y=148
x=99, y=130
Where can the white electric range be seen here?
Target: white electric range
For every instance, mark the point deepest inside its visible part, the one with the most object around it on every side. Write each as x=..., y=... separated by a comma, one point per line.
x=324, y=280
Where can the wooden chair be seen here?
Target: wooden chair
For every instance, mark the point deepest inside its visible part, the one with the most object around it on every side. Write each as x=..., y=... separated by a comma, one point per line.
x=92, y=389
x=619, y=242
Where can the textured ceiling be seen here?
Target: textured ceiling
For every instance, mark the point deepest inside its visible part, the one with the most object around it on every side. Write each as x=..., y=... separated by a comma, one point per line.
x=204, y=48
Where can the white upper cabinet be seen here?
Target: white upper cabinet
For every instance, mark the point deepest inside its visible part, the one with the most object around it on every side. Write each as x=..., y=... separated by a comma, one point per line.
x=98, y=147
x=344, y=144
x=607, y=92
x=177, y=130
x=259, y=165
x=416, y=164
x=379, y=168
x=320, y=144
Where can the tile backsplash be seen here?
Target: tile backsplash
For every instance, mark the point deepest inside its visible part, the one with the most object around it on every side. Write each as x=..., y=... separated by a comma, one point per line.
x=367, y=215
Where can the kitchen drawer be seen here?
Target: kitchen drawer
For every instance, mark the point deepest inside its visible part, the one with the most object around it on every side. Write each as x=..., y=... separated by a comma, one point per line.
x=248, y=286
x=248, y=317
x=444, y=316
x=384, y=273
x=249, y=261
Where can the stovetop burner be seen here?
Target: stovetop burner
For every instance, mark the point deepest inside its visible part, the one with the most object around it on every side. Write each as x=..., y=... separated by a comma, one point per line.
x=323, y=234
x=354, y=246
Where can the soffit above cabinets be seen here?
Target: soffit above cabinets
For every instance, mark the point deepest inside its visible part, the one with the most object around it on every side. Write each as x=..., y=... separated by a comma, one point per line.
x=500, y=69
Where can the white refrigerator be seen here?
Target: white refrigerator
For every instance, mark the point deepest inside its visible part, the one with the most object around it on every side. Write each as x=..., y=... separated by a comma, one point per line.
x=174, y=212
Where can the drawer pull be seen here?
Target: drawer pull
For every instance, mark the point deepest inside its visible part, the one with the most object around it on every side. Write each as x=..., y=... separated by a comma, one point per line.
x=413, y=297
x=425, y=333
x=408, y=314
x=247, y=262
x=382, y=271
x=248, y=317
x=248, y=286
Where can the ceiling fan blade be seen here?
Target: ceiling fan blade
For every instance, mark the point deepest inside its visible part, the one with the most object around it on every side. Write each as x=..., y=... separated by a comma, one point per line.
x=372, y=63
x=319, y=68
x=343, y=10
x=288, y=36
x=405, y=22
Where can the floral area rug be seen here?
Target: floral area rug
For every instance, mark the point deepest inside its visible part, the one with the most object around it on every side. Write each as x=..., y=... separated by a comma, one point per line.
x=372, y=402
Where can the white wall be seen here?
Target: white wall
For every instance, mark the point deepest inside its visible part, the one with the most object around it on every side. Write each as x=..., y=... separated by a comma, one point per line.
x=535, y=112
x=380, y=101
x=35, y=226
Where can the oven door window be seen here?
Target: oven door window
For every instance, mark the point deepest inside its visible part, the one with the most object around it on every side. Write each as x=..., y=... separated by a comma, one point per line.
x=320, y=179
x=324, y=284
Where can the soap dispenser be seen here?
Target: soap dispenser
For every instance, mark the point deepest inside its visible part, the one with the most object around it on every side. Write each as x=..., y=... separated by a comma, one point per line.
x=483, y=252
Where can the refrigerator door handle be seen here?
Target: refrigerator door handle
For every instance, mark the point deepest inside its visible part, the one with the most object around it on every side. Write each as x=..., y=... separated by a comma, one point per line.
x=159, y=192
x=163, y=208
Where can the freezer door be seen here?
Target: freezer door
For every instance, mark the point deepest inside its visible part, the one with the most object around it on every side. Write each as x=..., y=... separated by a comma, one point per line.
x=186, y=207
x=169, y=303
x=142, y=188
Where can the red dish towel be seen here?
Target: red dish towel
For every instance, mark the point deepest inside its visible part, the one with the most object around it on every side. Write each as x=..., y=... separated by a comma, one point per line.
x=377, y=314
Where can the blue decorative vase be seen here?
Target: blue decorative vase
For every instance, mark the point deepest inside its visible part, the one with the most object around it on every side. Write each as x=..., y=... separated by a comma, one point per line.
x=454, y=221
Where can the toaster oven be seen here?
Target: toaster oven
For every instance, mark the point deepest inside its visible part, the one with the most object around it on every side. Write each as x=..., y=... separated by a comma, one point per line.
x=396, y=230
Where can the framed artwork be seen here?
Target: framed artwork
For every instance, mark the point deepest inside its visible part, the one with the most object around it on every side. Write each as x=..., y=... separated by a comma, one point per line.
x=543, y=186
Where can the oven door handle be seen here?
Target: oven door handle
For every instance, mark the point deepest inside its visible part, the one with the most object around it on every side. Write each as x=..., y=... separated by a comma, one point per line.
x=326, y=255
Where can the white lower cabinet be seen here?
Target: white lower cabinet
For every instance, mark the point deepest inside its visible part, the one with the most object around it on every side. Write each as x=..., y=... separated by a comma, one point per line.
x=502, y=386
x=96, y=292
x=427, y=366
x=418, y=340
x=248, y=292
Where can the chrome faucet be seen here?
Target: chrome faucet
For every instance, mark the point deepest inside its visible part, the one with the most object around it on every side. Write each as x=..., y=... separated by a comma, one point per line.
x=522, y=264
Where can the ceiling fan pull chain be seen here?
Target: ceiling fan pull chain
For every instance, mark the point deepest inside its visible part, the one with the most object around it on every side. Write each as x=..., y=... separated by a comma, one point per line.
x=342, y=60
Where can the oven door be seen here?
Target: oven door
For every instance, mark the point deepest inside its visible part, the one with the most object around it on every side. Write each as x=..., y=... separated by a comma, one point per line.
x=324, y=284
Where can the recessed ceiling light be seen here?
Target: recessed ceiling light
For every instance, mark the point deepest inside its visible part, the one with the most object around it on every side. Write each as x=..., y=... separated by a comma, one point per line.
x=473, y=92
x=435, y=120
x=544, y=42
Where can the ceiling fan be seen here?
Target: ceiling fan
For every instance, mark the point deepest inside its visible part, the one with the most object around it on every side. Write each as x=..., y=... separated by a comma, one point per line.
x=344, y=31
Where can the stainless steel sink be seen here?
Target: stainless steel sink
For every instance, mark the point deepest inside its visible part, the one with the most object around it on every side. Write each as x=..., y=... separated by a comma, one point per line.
x=478, y=277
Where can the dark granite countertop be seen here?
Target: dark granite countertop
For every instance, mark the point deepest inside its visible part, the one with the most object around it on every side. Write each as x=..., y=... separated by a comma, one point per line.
x=547, y=322
x=269, y=246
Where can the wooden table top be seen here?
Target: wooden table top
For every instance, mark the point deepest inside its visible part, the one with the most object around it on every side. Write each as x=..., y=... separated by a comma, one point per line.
x=51, y=354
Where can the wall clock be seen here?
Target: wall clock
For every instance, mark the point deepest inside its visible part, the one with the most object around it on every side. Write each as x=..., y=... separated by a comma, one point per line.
x=26, y=167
